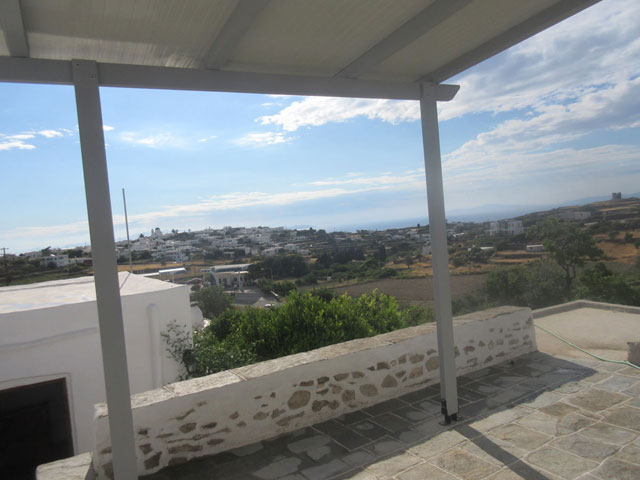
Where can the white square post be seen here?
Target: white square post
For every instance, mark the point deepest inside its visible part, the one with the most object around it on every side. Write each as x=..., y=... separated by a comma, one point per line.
x=431, y=93
x=103, y=252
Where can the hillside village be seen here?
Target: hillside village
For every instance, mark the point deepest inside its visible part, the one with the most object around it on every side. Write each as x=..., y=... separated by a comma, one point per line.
x=189, y=256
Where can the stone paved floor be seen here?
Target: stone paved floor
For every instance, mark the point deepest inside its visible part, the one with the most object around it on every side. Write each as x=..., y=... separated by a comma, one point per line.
x=538, y=417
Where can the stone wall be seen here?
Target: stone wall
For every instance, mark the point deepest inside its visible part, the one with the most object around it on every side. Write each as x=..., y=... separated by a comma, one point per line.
x=229, y=409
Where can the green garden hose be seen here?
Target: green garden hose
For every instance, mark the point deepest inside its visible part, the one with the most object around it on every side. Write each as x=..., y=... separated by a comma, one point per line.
x=623, y=362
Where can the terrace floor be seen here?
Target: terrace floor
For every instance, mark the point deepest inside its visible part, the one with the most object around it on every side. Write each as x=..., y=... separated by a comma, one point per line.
x=538, y=417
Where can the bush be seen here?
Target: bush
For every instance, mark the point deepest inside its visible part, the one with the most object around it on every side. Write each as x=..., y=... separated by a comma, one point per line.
x=305, y=322
x=212, y=301
x=599, y=283
x=536, y=285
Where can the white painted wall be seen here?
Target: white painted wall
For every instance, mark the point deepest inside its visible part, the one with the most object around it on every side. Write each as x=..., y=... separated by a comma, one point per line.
x=63, y=342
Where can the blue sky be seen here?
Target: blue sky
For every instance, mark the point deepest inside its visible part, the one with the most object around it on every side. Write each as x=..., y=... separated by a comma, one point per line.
x=553, y=119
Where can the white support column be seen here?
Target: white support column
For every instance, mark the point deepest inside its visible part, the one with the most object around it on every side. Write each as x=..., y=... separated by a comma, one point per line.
x=439, y=252
x=114, y=355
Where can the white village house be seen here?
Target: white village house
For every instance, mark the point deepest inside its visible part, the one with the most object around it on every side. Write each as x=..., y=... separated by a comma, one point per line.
x=50, y=350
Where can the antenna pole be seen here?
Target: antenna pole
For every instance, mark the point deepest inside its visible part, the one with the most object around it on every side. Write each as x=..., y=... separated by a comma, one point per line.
x=126, y=221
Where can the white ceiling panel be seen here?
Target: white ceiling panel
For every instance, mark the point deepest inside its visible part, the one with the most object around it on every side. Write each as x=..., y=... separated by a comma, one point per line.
x=146, y=32
x=318, y=37
x=473, y=25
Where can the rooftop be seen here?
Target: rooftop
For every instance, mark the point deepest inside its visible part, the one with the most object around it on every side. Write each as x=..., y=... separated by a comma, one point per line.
x=77, y=290
x=538, y=417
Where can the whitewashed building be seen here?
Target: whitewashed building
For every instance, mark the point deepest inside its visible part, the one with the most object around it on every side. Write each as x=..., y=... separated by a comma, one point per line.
x=50, y=353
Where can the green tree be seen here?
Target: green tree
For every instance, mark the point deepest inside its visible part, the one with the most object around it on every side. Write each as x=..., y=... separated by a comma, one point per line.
x=568, y=246
x=212, y=301
x=599, y=283
x=535, y=285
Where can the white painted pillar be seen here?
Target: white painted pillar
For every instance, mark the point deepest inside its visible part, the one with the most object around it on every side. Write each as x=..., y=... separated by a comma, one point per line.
x=103, y=251
x=439, y=251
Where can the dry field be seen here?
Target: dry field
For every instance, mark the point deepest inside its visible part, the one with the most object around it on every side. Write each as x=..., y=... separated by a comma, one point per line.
x=415, y=290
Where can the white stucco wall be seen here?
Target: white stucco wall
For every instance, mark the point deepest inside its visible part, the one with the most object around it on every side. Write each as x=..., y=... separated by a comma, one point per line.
x=55, y=335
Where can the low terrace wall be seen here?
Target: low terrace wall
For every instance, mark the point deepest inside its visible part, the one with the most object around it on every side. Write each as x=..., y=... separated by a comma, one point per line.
x=230, y=409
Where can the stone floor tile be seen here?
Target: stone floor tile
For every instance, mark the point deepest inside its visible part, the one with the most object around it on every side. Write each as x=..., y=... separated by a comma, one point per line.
x=596, y=377
x=295, y=476
x=385, y=446
x=630, y=453
x=437, y=444
x=384, y=407
x=412, y=414
x=393, y=465
x=479, y=408
x=595, y=399
x=609, y=433
x=573, y=422
x=358, y=458
x=357, y=474
x=541, y=422
x=491, y=452
x=560, y=463
x=326, y=470
x=420, y=395
x=633, y=391
x=630, y=371
x=541, y=399
x=279, y=468
x=558, y=409
x=569, y=387
x=585, y=447
x=341, y=434
x=521, y=471
x=485, y=372
x=518, y=436
x=502, y=380
x=614, y=468
x=353, y=417
x=411, y=437
x=610, y=367
x=370, y=430
x=391, y=422
x=513, y=394
x=617, y=383
x=628, y=417
x=464, y=465
x=425, y=471
x=430, y=406
x=471, y=395
x=483, y=388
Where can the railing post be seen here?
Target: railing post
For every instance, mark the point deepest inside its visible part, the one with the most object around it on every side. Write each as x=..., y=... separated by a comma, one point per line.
x=103, y=252
x=439, y=252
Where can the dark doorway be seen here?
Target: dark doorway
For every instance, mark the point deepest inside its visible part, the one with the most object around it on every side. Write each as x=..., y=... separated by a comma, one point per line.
x=34, y=428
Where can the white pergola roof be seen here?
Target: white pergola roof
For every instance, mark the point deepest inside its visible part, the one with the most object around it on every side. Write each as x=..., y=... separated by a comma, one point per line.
x=314, y=47
x=395, y=49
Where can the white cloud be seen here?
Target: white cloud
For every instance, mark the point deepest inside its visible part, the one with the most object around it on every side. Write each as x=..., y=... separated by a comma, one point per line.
x=578, y=56
x=598, y=46
x=20, y=136
x=261, y=139
x=17, y=144
x=157, y=140
x=317, y=111
x=206, y=139
x=108, y=128
x=50, y=133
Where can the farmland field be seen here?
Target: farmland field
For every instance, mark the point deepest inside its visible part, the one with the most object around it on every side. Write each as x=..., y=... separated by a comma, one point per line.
x=415, y=291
